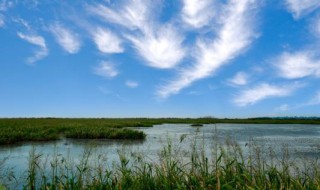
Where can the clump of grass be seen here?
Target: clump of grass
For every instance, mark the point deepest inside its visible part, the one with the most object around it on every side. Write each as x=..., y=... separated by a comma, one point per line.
x=227, y=167
x=102, y=133
x=196, y=125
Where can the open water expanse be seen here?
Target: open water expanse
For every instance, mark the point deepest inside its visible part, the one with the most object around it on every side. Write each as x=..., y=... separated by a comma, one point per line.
x=301, y=141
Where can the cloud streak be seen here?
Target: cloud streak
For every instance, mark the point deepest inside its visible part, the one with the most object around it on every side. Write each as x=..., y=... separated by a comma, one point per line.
x=235, y=35
x=261, y=92
x=132, y=15
x=297, y=65
x=66, y=38
x=37, y=41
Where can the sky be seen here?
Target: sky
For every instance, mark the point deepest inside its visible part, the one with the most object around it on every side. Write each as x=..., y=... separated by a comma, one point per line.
x=159, y=58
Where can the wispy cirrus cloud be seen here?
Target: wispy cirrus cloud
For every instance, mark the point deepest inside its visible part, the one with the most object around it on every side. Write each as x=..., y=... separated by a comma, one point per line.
x=67, y=39
x=301, y=7
x=37, y=41
x=160, y=45
x=131, y=84
x=239, y=79
x=161, y=49
x=261, y=92
x=235, y=35
x=197, y=13
x=134, y=14
x=106, y=69
x=298, y=65
x=106, y=41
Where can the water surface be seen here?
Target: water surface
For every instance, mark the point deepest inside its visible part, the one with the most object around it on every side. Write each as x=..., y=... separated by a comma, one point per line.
x=301, y=140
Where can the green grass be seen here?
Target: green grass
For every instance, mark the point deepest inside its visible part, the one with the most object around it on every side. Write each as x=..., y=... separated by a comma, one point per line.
x=47, y=129
x=227, y=168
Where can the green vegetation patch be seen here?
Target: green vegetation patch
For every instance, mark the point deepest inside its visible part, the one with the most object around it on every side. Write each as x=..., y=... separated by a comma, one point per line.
x=47, y=129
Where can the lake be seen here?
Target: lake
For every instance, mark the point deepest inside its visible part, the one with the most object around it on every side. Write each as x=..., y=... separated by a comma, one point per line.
x=299, y=140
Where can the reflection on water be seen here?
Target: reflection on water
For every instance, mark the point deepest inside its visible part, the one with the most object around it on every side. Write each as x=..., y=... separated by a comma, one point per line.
x=301, y=140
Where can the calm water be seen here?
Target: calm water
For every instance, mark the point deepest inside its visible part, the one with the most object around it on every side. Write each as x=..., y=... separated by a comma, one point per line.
x=300, y=140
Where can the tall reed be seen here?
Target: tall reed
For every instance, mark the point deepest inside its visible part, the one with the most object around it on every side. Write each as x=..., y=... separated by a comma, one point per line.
x=224, y=165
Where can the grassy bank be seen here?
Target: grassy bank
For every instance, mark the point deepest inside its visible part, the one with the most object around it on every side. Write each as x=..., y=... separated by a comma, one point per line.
x=227, y=167
x=46, y=129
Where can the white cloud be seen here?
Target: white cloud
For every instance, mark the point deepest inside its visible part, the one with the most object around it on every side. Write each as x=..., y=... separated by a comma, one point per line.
x=161, y=49
x=66, y=38
x=38, y=41
x=235, y=35
x=240, y=78
x=159, y=45
x=133, y=15
x=106, y=70
x=297, y=65
x=106, y=41
x=132, y=84
x=261, y=92
x=301, y=7
x=197, y=13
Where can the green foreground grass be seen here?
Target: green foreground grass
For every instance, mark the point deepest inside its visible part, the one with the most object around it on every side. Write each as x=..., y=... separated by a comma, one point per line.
x=227, y=167
x=47, y=129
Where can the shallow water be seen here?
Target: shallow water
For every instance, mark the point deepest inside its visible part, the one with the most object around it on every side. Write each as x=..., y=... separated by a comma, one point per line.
x=301, y=140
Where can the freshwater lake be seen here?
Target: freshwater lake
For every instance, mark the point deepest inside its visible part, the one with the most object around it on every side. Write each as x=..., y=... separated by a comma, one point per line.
x=299, y=139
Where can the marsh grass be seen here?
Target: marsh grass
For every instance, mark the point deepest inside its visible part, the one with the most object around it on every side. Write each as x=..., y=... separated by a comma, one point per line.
x=223, y=165
x=48, y=129
x=18, y=130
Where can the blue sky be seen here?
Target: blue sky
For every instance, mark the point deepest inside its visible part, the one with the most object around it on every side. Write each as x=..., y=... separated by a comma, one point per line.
x=159, y=58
